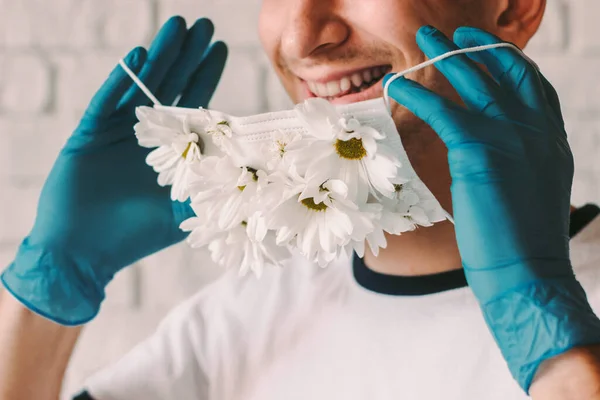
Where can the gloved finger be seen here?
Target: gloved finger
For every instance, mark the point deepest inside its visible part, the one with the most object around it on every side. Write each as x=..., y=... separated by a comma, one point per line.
x=107, y=98
x=161, y=55
x=203, y=83
x=476, y=89
x=196, y=42
x=441, y=114
x=507, y=66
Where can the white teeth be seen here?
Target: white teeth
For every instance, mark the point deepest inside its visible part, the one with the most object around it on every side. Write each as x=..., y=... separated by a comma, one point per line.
x=321, y=90
x=345, y=84
x=356, y=79
x=333, y=88
x=367, y=75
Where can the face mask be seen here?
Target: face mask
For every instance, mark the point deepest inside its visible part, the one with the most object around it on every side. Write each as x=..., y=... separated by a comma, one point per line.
x=320, y=179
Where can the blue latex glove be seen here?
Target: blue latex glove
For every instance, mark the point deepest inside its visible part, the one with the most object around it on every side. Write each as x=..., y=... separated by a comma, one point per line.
x=101, y=208
x=512, y=171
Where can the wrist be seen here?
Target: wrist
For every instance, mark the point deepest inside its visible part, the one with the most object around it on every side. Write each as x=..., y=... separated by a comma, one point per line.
x=574, y=374
x=64, y=289
x=35, y=352
x=538, y=321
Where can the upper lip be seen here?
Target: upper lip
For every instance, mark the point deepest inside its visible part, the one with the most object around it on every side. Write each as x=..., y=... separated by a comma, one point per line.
x=326, y=75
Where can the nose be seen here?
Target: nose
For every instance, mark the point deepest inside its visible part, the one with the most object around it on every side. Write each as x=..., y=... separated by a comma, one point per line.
x=313, y=27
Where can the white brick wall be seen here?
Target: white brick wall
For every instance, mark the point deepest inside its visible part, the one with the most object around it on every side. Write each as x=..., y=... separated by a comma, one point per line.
x=54, y=54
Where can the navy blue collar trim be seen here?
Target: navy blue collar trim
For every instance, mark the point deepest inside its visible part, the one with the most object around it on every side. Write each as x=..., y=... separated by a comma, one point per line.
x=435, y=283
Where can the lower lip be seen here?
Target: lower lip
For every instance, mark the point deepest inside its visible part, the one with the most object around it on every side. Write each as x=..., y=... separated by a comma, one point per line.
x=372, y=92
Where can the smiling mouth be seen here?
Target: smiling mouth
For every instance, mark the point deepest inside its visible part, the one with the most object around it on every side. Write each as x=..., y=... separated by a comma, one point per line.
x=353, y=83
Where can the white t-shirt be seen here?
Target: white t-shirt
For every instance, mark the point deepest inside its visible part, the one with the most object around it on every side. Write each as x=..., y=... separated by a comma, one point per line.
x=303, y=333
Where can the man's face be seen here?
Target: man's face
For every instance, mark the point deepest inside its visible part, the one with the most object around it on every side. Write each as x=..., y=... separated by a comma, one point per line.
x=342, y=49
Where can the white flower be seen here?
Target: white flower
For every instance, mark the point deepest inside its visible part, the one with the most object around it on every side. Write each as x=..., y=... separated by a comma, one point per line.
x=276, y=150
x=409, y=209
x=224, y=192
x=314, y=216
x=342, y=148
x=178, y=146
x=376, y=238
x=245, y=246
x=222, y=135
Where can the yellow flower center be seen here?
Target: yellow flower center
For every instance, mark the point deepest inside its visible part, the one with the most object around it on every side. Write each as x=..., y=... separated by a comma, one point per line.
x=310, y=204
x=351, y=149
x=187, y=149
x=244, y=223
x=397, y=188
x=242, y=188
x=189, y=146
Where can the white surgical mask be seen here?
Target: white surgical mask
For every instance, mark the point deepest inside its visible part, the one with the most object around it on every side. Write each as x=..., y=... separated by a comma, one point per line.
x=319, y=178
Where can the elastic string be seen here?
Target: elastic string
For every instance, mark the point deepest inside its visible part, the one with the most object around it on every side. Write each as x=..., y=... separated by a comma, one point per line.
x=441, y=57
x=448, y=216
x=139, y=83
x=386, y=87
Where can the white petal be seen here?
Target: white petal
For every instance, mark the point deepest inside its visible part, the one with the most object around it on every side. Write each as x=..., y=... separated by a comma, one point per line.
x=370, y=146
x=256, y=228
x=337, y=186
x=189, y=224
x=318, y=115
x=230, y=213
x=162, y=158
x=166, y=177
x=325, y=238
x=359, y=248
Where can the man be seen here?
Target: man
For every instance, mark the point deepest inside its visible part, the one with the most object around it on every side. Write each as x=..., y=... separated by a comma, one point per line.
x=400, y=325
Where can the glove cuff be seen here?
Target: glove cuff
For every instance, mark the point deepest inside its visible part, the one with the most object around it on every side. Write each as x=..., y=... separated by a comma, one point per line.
x=538, y=321
x=54, y=285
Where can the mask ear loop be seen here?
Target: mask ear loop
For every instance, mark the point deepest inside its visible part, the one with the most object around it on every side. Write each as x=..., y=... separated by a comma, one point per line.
x=139, y=83
x=386, y=87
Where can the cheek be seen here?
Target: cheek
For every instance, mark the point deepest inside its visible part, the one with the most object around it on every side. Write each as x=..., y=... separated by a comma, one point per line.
x=269, y=30
x=392, y=22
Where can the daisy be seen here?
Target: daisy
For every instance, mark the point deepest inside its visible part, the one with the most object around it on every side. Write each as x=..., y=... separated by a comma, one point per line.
x=225, y=193
x=341, y=148
x=316, y=217
x=237, y=247
x=222, y=135
x=375, y=238
x=276, y=150
x=409, y=208
x=178, y=145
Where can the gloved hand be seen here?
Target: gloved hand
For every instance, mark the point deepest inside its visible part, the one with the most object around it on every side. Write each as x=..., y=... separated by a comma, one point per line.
x=512, y=171
x=101, y=208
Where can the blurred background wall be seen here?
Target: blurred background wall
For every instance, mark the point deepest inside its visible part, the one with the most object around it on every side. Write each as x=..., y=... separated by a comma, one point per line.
x=54, y=54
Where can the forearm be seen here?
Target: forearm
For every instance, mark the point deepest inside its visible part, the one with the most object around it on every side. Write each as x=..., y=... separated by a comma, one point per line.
x=573, y=375
x=34, y=352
